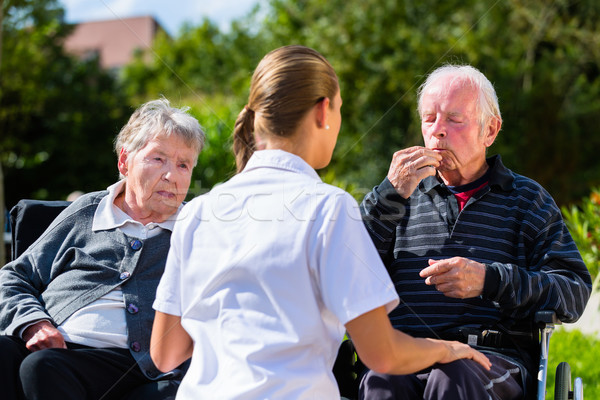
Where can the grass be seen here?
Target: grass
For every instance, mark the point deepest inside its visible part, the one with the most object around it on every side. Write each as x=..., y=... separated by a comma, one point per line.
x=582, y=352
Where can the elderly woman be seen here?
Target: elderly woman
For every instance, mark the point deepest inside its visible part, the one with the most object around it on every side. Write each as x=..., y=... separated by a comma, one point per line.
x=76, y=307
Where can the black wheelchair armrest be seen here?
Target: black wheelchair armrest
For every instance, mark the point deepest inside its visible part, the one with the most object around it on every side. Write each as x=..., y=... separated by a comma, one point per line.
x=546, y=317
x=546, y=322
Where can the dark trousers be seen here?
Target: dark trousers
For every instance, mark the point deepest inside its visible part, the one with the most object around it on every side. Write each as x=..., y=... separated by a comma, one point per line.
x=76, y=373
x=459, y=380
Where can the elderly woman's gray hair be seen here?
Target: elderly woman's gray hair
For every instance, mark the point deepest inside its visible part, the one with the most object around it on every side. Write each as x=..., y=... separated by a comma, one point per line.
x=488, y=100
x=157, y=118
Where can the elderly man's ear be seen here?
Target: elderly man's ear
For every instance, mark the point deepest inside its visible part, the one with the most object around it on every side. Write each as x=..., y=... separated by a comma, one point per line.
x=491, y=131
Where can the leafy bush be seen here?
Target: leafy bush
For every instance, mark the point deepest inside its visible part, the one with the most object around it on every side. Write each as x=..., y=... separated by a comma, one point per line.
x=216, y=162
x=583, y=222
x=582, y=352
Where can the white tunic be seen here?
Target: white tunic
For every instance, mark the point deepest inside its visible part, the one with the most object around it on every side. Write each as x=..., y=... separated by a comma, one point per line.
x=264, y=272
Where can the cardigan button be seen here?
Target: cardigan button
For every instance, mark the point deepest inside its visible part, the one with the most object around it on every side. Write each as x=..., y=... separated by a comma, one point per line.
x=135, y=346
x=135, y=244
x=132, y=309
x=124, y=275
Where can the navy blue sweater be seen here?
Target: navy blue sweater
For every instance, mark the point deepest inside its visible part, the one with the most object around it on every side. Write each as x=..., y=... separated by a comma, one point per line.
x=513, y=226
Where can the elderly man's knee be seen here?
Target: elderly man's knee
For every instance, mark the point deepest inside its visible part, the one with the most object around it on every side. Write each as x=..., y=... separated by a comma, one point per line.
x=393, y=387
x=461, y=379
x=457, y=371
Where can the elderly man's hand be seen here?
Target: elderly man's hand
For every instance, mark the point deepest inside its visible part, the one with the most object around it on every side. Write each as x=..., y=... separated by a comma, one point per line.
x=410, y=166
x=43, y=335
x=456, y=277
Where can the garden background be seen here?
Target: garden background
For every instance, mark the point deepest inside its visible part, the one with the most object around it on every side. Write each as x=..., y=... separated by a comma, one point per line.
x=59, y=114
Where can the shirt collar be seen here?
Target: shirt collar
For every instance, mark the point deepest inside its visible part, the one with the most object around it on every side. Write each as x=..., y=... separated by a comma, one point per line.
x=500, y=176
x=282, y=160
x=109, y=216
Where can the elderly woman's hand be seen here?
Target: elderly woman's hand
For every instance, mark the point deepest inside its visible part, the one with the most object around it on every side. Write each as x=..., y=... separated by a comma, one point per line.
x=43, y=335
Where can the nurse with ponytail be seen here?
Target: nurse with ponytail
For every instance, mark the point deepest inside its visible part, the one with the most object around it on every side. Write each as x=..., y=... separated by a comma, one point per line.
x=268, y=271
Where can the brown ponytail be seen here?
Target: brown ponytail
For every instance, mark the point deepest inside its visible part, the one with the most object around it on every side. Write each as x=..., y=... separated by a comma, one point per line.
x=244, y=142
x=286, y=84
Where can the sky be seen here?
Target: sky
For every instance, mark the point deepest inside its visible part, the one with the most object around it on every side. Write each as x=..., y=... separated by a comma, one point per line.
x=170, y=14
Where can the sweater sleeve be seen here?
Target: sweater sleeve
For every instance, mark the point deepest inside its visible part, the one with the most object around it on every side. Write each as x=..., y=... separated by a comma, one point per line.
x=381, y=211
x=555, y=278
x=23, y=280
x=21, y=285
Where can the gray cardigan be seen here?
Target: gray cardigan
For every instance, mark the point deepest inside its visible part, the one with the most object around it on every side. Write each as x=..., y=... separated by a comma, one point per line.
x=70, y=266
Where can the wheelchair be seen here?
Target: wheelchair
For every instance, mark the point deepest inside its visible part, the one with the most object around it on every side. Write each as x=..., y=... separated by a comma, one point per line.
x=28, y=220
x=348, y=368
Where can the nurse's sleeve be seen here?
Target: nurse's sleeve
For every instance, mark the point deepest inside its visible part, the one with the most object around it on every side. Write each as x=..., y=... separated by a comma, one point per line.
x=352, y=276
x=168, y=292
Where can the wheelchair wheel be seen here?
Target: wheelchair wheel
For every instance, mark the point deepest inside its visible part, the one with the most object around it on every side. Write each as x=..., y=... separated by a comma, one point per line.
x=562, y=385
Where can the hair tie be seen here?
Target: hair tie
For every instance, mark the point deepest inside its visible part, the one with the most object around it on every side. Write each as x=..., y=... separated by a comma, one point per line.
x=248, y=109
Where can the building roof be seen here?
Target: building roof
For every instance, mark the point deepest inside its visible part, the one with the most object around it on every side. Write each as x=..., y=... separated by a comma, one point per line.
x=114, y=41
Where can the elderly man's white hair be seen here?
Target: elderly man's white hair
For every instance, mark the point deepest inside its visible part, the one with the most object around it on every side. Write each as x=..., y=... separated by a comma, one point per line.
x=488, y=100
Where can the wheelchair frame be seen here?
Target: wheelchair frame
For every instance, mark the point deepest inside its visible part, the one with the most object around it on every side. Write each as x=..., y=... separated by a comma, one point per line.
x=348, y=366
x=547, y=321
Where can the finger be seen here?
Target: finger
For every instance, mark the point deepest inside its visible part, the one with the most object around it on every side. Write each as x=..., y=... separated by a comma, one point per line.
x=427, y=168
x=425, y=171
x=45, y=340
x=482, y=359
x=436, y=267
x=428, y=158
x=33, y=345
x=427, y=272
x=45, y=344
x=442, y=283
x=420, y=160
x=418, y=155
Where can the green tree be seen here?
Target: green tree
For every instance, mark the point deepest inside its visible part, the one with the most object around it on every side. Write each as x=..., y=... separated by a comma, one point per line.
x=216, y=163
x=209, y=71
x=550, y=91
x=583, y=222
x=542, y=57
x=200, y=60
x=58, y=115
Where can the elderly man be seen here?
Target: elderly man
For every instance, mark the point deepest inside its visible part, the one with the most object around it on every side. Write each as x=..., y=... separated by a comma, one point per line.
x=76, y=306
x=473, y=248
